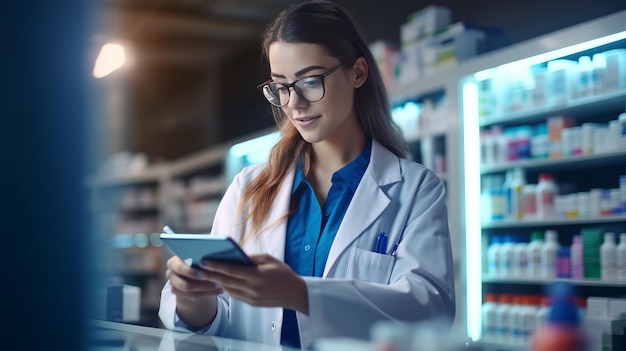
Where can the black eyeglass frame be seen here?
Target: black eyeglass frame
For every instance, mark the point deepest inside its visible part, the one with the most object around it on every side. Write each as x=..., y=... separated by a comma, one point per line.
x=297, y=90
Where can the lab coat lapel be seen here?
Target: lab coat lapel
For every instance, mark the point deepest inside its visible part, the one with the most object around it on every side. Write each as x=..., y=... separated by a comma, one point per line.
x=368, y=201
x=274, y=238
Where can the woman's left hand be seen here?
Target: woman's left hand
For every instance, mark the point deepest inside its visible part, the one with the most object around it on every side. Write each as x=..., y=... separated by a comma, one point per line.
x=271, y=283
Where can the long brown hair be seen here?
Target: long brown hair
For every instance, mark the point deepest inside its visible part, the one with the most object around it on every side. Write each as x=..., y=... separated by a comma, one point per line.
x=325, y=24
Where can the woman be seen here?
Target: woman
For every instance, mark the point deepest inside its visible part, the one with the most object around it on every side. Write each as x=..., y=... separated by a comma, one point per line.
x=313, y=217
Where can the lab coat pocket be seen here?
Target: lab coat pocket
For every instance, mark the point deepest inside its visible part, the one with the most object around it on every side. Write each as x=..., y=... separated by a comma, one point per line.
x=369, y=266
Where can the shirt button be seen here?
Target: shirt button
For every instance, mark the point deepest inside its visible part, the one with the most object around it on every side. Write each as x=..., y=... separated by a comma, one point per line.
x=273, y=326
x=307, y=248
x=327, y=213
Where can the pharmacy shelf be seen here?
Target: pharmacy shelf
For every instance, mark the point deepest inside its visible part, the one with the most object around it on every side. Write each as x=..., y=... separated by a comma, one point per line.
x=554, y=222
x=489, y=346
x=586, y=39
x=545, y=165
x=215, y=187
x=577, y=282
x=149, y=175
x=593, y=105
x=412, y=137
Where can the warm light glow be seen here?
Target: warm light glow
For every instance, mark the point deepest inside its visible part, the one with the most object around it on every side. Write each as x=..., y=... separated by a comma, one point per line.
x=111, y=57
x=471, y=173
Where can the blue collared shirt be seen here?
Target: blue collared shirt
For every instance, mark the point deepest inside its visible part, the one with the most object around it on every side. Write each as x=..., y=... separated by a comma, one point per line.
x=312, y=227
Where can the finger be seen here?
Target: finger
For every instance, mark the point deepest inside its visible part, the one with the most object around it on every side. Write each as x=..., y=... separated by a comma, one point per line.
x=185, y=285
x=178, y=266
x=225, y=280
x=262, y=258
x=252, y=297
x=194, y=295
x=229, y=269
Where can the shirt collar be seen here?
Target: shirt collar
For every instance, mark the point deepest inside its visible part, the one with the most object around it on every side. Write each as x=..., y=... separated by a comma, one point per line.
x=350, y=174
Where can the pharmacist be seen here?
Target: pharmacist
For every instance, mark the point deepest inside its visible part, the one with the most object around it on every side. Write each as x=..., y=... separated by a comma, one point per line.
x=345, y=231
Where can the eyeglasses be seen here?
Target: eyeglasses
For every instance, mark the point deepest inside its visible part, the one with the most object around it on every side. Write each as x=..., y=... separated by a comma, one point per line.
x=309, y=88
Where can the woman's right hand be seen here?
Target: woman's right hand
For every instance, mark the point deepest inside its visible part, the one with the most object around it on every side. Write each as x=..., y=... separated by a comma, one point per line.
x=196, y=302
x=188, y=282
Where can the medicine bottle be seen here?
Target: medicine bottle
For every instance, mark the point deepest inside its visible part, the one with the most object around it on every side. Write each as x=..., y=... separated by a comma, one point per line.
x=545, y=194
x=620, y=258
x=493, y=257
x=534, y=255
x=549, y=255
x=489, y=317
x=563, y=262
x=529, y=195
x=503, y=318
x=608, y=252
x=520, y=259
x=563, y=330
x=514, y=194
x=577, y=258
x=507, y=254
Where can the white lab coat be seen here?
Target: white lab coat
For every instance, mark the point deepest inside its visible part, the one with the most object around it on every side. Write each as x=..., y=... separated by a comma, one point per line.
x=358, y=287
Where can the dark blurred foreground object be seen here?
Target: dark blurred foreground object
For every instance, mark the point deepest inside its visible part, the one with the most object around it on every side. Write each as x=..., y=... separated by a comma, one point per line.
x=43, y=117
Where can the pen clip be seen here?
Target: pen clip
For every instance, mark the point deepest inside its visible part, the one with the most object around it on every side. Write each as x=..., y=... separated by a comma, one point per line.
x=395, y=248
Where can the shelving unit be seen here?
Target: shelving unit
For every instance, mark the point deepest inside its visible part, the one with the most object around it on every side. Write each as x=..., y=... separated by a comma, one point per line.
x=195, y=185
x=434, y=140
x=130, y=210
x=579, y=173
x=455, y=137
x=128, y=214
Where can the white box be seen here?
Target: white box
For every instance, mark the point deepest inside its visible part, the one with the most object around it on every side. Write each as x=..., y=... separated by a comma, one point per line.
x=456, y=44
x=597, y=306
x=120, y=303
x=598, y=331
x=387, y=58
x=615, y=78
x=424, y=23
x=617, y=307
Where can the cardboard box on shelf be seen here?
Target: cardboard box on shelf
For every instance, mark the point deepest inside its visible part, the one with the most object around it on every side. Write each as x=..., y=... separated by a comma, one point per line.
x=387, y=56
x=424, y=23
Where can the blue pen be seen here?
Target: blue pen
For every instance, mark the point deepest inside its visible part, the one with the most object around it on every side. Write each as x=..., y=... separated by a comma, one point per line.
x=381, y=243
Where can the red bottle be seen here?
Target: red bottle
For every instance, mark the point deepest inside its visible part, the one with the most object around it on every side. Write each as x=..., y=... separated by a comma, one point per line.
x=562, y=330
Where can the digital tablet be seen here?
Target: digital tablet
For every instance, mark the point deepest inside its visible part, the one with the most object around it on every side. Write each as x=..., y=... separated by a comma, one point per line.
x=193, y=248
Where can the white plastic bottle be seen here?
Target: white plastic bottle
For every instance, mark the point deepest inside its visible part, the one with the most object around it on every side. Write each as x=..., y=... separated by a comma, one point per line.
x=583, y=83
x=506, y=188
x=546, y=192
x=622, y=180
x=608, y=252
x=529, y=199
x=503, y=318
x=493, y=257
x=520, y=259
x=548, y=255
x=515, y=318
x=577, y=258
x=489, y=317
x=529, y=318
x=542, y=311
x=515, y=198
x=507, y=253
x=620, y=258
x=534, y=255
